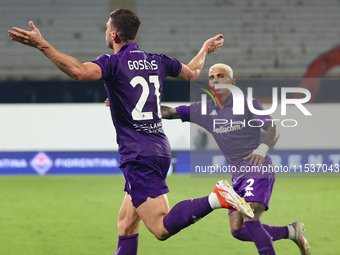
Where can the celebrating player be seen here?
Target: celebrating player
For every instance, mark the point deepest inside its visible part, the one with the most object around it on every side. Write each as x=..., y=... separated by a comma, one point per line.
x=134, y=81
x=242, y=148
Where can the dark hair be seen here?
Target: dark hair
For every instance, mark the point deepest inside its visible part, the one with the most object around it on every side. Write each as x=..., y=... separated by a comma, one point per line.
x=126, y=23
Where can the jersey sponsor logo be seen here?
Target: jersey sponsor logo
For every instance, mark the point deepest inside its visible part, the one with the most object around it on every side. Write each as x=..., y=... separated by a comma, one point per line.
x=153, y=128
x=223, y=126
x=142, y=65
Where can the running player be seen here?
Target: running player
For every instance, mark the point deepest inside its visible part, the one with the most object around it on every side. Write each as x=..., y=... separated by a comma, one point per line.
x=242, y=147
x=134, y=80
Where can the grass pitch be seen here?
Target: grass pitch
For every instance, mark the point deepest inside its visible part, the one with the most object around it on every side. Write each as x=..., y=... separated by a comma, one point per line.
x=76, y=215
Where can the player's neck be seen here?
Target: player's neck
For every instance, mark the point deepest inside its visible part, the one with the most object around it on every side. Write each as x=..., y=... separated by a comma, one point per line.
x=117, y=46
x=224, y=100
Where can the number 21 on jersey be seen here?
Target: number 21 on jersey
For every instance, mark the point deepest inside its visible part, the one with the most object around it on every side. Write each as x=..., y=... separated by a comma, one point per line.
x=137, y=113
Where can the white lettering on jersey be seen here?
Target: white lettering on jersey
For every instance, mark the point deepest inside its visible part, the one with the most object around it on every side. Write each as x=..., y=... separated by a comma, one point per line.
x=142, y=65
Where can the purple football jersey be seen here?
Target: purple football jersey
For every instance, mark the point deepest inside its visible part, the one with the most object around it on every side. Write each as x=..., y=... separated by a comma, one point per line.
x=134, y=81
x=236, y=135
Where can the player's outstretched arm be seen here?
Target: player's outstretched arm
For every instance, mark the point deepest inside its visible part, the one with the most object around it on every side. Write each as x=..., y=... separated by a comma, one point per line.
x=169, y=113
x=258, y=155
x=69, y=65
x=194, y=68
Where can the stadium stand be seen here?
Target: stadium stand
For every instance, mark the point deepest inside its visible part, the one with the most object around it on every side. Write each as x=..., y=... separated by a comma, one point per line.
x=74, y=27
x=262, y=38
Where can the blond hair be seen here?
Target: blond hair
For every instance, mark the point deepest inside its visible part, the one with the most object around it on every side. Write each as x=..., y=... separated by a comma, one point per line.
x=227, y=68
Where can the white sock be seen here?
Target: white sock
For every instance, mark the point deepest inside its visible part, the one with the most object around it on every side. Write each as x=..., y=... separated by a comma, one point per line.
x=291, y=232
x=213, y=201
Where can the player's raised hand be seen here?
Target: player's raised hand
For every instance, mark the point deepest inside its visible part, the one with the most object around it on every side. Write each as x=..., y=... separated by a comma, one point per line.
x=214, y=43
x=31, y=38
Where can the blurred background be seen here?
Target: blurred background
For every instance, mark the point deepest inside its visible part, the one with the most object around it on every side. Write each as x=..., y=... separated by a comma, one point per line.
x=53, y=126
x=41, y=109
x=262, y=39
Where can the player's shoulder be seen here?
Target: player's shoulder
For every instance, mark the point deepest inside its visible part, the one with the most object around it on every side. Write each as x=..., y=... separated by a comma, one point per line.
x=105, y=59
x=197, y=107
x=106, y=56
x=135, y=53
x=254, y=103
x=161, y=57
x=252, y=100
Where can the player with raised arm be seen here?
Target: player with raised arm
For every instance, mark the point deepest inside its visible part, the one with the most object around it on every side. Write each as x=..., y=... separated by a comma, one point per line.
x=242, y=147
x=134, y=81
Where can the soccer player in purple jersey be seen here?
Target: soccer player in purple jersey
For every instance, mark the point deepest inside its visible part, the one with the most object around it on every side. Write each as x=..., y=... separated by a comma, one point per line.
x=242, y=147
x=134, y=80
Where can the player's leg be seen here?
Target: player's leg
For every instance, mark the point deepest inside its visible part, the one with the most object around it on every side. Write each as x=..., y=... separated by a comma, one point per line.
x=260, y=190
x=164, y=223
x=239, y=231
x=294, y=231
x=257, y=232
x=251, y=229
x=145, y=183
x=152, y=212
x=128, y=226
x=128, y=218
x=236, y=226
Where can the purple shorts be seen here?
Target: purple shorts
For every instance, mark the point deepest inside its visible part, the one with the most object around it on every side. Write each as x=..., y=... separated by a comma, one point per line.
x=145, y=177
x=254, y=189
